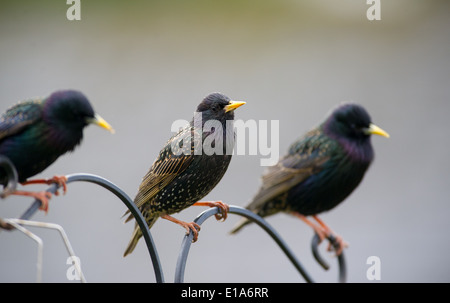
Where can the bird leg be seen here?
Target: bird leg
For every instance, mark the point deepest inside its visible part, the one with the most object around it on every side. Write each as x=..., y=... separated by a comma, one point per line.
x=223, y=208
x=188, y=226
x=318, y=229
x=323, y=231
x=60, y=180
x=42, y=196
x=341, y=244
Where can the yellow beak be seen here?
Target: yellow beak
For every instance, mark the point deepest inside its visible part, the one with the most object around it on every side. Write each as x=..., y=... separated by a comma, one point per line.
x=101, y=122
x=375, y=130
x=233, y=105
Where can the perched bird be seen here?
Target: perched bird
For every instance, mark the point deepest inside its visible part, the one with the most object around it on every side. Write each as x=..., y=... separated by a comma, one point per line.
x=320, y=169
x=35, y=132
x=184, y=173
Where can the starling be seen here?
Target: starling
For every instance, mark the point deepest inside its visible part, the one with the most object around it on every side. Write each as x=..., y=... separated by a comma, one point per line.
x=35, y=132
x=184, y=173
x=320, y=169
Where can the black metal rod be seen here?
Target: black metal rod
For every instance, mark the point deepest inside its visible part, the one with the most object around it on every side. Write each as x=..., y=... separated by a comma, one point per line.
x=11, y=174
x=9, y=185
x=187, y=240
x=315, y=251
x=125, y=199
x=342, y=278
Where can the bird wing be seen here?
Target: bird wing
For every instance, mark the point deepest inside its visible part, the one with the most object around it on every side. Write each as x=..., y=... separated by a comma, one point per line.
x=19, y=116
x=306, y=157
x=166, y=167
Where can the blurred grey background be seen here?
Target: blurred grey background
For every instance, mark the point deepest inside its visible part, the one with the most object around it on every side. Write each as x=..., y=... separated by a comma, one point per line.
x=145, y=64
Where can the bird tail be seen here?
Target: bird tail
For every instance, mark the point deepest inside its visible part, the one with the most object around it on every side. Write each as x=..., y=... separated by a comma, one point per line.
x=137, y=234
x=240, y=225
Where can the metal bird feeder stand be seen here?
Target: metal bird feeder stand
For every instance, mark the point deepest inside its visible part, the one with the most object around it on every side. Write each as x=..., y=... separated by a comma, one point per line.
x=11, y=224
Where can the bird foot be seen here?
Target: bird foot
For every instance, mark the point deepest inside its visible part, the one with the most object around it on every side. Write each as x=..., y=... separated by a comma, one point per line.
x=4, y=225
x=223, y=208
x=61, y=181
x=321, y=232
x=192, y=226
x=337, y=243
x=42, y=196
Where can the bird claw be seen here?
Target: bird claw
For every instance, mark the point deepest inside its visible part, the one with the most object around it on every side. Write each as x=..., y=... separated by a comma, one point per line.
x=223, y=208
x=61, y=181
x=43, y=196
x=322, y=233
x=194, y=227
x=337, y=244
x=4, y=225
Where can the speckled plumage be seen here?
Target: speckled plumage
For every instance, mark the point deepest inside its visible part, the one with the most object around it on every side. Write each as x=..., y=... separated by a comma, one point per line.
x=177, y=180
x=321, y=168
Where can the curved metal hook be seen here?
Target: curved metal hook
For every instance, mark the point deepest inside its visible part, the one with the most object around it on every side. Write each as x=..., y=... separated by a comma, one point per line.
x=341, y=260
x=11, y=173
x=187, y=240
x=125, y=199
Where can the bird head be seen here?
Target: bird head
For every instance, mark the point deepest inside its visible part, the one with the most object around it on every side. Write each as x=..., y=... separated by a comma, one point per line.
x=71, y=110
x=353, y=122
x=217, y=106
